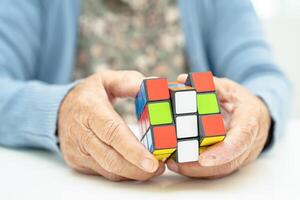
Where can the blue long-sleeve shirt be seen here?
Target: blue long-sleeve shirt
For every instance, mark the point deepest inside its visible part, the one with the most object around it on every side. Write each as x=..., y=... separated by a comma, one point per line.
x=37, y=49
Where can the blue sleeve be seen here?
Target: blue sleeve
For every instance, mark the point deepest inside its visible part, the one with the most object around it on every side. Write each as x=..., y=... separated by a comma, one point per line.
x=28, y=107
x=238, y=50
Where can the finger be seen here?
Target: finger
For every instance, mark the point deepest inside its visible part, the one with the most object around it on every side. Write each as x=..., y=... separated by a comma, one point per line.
x=122, y=83
x=92, y=168
x=110, y=128
x=243, y=130
x=95, y=169
x=113, y=162
x=182, y=78
x=225, y=90
x=194, y=169
x=98, y=170
x=89, y=166
x=161, y=169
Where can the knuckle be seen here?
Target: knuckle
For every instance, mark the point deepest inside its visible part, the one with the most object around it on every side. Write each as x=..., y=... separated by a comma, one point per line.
x=110, y=131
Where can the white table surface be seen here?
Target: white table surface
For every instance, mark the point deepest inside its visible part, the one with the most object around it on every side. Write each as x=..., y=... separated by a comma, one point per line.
x=29, y=174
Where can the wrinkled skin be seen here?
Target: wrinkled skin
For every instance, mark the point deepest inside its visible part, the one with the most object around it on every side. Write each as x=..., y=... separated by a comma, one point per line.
x=247, y=121
x=95, y=140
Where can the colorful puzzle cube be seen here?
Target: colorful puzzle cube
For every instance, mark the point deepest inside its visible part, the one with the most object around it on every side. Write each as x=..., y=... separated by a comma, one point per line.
x=179, y=119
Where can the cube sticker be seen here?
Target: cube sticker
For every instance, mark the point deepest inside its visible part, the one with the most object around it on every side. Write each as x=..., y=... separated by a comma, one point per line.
x=160, y=113
x=163, y=157
x=207, y=103
x=187, y=126
x=201, y=81
x=185, y=102
x=211, y=140
x=164, y=137
x=187, y=151
x=157, y=89
x=211, y=125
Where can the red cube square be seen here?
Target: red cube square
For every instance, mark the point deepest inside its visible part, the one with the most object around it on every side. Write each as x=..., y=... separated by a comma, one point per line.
x=212, y=125
x=164, y=137
x=157, y=89
x=201, y=81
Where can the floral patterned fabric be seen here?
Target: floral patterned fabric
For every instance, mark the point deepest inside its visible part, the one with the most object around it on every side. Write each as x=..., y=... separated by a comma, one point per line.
x=130, y=35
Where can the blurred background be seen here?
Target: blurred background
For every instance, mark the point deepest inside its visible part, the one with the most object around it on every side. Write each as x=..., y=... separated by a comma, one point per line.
x=281, y=22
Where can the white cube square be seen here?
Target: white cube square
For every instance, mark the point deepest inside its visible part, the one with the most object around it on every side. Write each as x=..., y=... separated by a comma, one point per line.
x=185, y=102
x=186, y=126
x=187, y=151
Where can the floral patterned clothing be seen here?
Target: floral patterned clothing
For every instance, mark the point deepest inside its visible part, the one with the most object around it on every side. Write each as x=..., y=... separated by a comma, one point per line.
x=130, y=35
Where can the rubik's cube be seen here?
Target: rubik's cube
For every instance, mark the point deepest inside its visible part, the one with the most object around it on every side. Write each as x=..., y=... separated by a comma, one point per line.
x=179, y=119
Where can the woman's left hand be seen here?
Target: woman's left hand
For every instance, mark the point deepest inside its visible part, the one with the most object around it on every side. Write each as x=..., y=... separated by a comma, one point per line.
x=247, y=121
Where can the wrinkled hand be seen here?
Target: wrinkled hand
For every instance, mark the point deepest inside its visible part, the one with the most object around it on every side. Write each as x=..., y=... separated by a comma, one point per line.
x=94, y=139
x=247, y=120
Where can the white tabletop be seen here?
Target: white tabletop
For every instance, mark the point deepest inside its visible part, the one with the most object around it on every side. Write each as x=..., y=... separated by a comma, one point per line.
x=29, y=174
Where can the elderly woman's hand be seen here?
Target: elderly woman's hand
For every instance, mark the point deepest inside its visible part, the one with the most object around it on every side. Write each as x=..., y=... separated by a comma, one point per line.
x=247, y=120
x=94, y=139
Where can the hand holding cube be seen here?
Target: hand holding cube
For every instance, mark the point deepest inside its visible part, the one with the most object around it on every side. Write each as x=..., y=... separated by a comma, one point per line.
x=248, y=124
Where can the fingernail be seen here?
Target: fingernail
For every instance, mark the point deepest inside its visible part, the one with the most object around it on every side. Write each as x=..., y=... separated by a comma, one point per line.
x=173, y=166
x=148, y=165
x=208, y=161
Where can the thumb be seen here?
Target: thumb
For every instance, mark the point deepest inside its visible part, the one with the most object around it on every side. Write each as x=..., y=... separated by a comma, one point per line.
x=122, y=83
x=181, y=78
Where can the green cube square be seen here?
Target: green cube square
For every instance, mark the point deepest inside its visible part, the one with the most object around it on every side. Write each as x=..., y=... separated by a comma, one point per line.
x=207, y=103
x=160, y=113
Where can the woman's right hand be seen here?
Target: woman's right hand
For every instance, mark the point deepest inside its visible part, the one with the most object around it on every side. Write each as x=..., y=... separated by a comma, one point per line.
x=94, y=139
